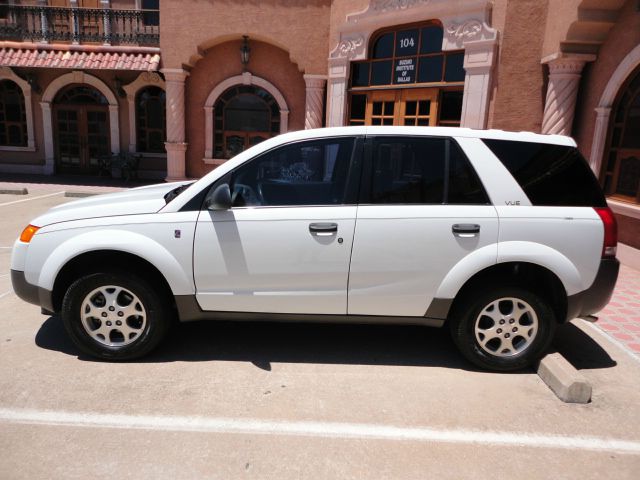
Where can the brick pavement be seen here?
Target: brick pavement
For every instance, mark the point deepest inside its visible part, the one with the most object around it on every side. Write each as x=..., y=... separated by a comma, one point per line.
x=621, y=318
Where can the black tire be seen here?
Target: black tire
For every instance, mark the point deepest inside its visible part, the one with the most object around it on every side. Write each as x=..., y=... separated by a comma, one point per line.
x=490, y=357
x=157, y=316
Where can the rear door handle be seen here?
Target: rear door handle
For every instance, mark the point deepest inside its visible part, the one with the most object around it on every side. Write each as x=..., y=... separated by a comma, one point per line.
x=323, y=229
x=465, y=229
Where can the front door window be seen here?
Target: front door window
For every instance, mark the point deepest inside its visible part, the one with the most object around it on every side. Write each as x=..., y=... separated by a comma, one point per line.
x=308, y=173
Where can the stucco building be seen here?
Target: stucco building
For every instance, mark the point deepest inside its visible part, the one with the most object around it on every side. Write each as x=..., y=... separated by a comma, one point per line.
x=184, y=85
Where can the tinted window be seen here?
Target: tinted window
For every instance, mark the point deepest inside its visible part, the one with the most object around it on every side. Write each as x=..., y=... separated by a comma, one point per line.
x=360, y=74
x=306, y=173
x=431, y=40
x=407, y=43
x=454, y=71
x=451, y=106
x=551, y=175
x=383, y=47
x=381, y=72
x=430, y=69
x=414, y=171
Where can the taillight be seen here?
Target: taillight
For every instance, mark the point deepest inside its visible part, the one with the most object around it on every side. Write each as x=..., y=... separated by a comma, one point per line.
x=610, y=231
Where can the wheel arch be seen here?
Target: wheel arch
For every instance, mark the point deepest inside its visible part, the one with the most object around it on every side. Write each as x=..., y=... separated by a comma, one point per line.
x=530, y=276
x=106, y=260
x=97, y=250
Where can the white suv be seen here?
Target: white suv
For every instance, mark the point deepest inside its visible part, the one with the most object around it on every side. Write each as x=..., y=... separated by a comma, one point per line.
x=502, y=234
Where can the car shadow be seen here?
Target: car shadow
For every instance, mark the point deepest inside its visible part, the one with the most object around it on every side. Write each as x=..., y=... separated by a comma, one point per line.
x=265, y=343
x=580, y=349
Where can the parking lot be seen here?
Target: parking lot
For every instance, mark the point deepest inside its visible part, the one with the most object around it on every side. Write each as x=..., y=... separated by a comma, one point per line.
x=236, y=400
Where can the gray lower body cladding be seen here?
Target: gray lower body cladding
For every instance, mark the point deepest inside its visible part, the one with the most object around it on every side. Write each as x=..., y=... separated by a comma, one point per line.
x=596, y=297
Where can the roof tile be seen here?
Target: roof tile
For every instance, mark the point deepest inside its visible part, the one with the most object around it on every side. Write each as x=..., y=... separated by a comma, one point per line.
x=25, y=57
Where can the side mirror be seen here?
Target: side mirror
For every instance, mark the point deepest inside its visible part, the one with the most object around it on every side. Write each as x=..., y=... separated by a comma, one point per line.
x=220, y=199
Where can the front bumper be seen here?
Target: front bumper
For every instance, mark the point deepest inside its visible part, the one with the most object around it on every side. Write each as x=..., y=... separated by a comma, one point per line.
x=596, y=297
x=30, y=293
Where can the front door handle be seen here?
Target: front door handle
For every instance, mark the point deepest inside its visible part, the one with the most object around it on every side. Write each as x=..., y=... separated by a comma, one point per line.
x=323, y=229
x=465, y=229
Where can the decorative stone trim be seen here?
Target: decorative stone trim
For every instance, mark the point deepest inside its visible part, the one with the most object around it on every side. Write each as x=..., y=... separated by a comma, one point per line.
x=49, y=95
x=620, y=75
x=7, y=73
x=623, y=208
x=562, y=92
x=350, y=47
x=465, y=26
x=145, y=79
x=245, y=79
x=390, y=5
x=599, y=138
x=457, y=33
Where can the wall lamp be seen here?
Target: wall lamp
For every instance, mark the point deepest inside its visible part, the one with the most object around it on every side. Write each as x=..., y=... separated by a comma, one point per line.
x=245, y=51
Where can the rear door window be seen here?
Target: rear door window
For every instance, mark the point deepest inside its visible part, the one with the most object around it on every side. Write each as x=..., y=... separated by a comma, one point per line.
x=550, y=175
x=420, y=170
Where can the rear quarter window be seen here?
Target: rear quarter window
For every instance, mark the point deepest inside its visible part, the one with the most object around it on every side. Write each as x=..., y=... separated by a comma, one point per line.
x=550, y=175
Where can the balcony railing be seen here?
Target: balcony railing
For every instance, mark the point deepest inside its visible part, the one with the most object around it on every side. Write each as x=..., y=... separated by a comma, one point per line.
x=79, y=25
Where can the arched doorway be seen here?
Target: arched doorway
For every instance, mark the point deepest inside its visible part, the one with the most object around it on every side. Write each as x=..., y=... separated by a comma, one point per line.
x=81, y=128
x=621, y=168
x=244, y=116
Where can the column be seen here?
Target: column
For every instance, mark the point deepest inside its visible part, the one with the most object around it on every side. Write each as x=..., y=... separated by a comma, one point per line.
x=351, y=47
x=564, y=80
x=47, y=125
x=478, y=65
x=175, y=145
x=314, y=104
x=337, y=92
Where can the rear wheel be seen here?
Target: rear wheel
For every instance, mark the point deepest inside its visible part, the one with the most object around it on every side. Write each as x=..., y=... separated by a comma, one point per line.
x=115, y=316
x=503, y=329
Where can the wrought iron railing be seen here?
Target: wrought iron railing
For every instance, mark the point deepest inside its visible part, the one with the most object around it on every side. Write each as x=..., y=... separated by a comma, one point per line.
x=79, y=25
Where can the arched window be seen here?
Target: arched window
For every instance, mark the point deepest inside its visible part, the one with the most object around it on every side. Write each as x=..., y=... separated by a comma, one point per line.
x=622, y=162
x=150, y=120
x=403, y=59
x=13, y=121
x=244, y=116
x=81, y=95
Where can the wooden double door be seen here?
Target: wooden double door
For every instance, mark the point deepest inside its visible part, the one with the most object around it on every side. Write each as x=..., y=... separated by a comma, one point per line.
x=82, y=137
x=414, y=107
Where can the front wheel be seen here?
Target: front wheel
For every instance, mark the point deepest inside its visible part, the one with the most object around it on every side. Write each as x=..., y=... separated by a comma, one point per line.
x=114, y=316
x=503, y=329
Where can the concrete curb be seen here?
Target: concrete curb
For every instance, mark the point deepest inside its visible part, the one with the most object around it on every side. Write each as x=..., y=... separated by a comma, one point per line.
x=79, y=194
x=563, y=379
x=14, y=191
